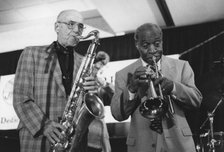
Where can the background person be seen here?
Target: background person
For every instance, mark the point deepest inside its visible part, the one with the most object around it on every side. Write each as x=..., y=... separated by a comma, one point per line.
x=106, y=89
x=98, y=137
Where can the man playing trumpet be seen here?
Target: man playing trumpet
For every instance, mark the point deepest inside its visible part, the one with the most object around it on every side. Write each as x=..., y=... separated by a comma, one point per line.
x=175, y=79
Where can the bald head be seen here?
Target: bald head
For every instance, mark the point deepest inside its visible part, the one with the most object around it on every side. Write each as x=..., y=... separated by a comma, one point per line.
x=69, y=26
x=70, y=15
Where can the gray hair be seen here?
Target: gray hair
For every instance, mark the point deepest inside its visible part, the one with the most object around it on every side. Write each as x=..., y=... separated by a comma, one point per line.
x=145, y=27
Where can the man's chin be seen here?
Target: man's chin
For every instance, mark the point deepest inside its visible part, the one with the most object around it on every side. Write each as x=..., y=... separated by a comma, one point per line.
x=73, y=41
x=73, y=44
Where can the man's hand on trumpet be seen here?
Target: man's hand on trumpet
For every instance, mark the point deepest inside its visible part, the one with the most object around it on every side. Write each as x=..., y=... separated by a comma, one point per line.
x=140, y=78
x=166, y=84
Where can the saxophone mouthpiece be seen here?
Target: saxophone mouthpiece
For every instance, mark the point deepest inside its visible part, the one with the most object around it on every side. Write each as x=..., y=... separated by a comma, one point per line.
x=94, y=33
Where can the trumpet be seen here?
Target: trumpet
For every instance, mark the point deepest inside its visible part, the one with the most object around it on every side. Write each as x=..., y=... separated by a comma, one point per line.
x=154, y=106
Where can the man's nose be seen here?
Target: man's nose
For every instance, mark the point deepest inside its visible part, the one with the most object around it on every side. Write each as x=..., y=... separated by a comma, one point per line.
x=77, y=30
x=152, y=48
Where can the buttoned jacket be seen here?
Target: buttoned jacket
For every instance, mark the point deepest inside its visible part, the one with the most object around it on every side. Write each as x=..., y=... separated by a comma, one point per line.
x=177, y=136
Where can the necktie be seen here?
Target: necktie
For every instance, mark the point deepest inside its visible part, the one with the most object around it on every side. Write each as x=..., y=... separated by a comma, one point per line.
x=156, y=125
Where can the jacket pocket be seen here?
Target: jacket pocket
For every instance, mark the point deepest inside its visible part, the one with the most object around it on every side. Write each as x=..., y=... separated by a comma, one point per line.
x=174, y=132
x=186, y=131
x=130, y=141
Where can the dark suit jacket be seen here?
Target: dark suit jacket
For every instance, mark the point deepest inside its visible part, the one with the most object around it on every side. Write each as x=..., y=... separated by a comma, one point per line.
x=177, y=136
x=39, y=94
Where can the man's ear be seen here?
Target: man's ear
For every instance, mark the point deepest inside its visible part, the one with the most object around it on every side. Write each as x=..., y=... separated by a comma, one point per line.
x=56, y=27
x=136, y=45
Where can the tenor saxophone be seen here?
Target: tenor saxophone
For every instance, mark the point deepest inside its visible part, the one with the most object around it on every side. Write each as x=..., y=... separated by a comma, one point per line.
x=82, y=107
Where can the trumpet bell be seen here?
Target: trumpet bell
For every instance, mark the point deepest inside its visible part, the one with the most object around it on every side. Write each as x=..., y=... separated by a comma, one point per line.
x=153, y=108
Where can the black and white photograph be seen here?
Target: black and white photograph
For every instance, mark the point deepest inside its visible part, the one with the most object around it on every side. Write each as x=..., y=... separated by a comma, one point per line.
x=111, y=76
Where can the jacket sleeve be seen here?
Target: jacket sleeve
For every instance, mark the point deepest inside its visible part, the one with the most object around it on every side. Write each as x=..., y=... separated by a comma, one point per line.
x=24, y=104
x=121, y=106
x=186, y=91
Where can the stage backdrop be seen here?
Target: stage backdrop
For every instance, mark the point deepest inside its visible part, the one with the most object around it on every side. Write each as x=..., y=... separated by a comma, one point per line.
x=8, y=117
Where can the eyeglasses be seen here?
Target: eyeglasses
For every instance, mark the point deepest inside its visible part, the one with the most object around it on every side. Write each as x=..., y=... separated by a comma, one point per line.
x=72, y=25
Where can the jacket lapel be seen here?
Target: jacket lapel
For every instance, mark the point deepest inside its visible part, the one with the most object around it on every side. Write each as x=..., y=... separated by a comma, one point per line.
x=168, y=72
x=167, y=68
x=77, y=63
x=58, y=76
x=52, y=60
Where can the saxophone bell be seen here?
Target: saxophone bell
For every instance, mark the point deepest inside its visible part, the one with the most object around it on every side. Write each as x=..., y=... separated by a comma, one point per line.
x=94, y=105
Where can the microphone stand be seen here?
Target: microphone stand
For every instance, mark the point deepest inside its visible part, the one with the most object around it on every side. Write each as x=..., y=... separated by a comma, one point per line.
x=200, y=44
x=211, y=119
x=212, y=140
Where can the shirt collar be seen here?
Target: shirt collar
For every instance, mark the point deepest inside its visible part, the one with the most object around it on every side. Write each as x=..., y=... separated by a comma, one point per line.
x=63, y=50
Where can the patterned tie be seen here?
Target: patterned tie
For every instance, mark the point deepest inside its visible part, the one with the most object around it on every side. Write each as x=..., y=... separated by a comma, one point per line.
x=156, y=125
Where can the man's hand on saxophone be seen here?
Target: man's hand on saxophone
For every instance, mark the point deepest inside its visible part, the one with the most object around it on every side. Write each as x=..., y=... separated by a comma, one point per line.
x=52, y=130
x=90, y=84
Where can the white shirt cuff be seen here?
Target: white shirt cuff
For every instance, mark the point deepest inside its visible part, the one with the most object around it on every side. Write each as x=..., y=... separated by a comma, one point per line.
x=131, y=95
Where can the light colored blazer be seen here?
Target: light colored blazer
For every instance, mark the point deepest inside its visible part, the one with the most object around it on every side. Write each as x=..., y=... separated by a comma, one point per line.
x=39, y=94
x=177, y=136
